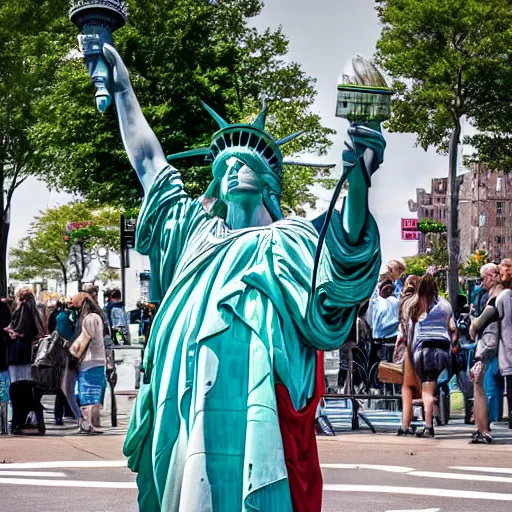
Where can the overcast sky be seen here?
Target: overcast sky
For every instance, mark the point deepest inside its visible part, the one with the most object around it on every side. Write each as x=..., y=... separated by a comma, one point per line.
x=323, y=35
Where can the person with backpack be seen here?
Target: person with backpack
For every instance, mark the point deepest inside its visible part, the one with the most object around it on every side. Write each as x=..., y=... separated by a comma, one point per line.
x=117, y=318
x=432, y=331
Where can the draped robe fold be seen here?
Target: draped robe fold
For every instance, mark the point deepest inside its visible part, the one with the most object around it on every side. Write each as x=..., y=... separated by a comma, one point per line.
x=233, y=324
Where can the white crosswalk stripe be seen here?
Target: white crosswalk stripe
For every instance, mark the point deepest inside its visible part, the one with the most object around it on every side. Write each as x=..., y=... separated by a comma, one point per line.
x=472, y=474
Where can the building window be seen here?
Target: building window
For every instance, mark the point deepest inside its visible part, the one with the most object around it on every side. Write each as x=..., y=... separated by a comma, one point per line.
x=499, y=208
x=500, y=240
x=440, y=186
x=500, y=222
x=499, y=184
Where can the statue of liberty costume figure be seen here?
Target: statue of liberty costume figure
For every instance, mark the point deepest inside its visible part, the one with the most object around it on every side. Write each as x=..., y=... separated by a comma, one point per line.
x=225, y=419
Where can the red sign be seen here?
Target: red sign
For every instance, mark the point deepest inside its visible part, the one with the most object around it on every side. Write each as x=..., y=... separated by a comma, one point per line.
x=410, y=235
x=410, y=229
x=409, y=224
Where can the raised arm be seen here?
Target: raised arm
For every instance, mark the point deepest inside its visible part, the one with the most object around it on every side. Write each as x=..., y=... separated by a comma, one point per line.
x=362, y=158
x=143, y=148
x=349, y=260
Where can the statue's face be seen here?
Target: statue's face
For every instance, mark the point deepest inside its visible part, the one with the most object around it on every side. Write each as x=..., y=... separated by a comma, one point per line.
x=240, y=183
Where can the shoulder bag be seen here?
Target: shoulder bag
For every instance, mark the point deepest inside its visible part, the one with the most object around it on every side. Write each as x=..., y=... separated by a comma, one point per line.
x=79, y=347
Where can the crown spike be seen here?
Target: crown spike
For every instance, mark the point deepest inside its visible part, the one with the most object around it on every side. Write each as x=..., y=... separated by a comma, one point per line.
x=306, y=164
x=262, y=116
x=189, y=153
x=289, y=138
x=220, y=121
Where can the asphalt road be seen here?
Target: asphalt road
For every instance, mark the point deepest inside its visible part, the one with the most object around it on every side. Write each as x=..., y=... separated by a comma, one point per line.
x=362, y=472
x=389, y=476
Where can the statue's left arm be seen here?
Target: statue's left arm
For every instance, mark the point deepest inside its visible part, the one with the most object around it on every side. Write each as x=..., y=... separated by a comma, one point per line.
x=351, y=258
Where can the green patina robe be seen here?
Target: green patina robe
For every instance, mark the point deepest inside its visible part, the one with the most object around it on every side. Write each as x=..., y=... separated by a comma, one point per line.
x=233, y=321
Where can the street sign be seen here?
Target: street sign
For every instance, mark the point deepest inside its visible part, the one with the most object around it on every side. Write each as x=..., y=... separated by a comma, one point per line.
x=409, y=224
x=410, y=235
x=410, y=230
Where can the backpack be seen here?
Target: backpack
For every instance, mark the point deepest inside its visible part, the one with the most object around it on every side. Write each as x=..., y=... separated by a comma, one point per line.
x=50, y=362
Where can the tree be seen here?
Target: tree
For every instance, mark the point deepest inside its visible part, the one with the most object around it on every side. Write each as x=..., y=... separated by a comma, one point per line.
x=31, y=39
x=474, y=263
x=178, y=52
x=46, y=251
x=449, y=61
x=418, y=265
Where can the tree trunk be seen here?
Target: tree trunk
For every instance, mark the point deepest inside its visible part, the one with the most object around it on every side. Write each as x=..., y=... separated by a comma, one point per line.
x=82, y=267
x=64, y=271
x=4, y=235
x=453, y=224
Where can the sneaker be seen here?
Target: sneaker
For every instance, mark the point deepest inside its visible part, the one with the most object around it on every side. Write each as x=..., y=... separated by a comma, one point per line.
x=406, y=431
x=427, y=433
x=482, y=438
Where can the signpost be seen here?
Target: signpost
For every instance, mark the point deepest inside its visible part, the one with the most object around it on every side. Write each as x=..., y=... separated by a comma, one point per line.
x=73, y=227
x=127, y=242
x=410, y=230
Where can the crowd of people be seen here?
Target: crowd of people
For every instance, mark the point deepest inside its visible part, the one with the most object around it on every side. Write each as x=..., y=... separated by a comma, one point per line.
x=84, y=330
x=414, y=327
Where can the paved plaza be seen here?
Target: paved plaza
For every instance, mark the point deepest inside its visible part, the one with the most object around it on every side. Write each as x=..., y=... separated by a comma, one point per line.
x=363, y=472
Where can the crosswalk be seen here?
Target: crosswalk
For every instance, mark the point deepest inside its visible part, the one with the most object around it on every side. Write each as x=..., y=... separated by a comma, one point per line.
x=71, y=474
x=396, y=488
x=449, y=489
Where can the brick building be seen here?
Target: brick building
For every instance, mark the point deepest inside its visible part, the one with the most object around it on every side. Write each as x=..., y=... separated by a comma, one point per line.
x=431, y=206
x=485, y=211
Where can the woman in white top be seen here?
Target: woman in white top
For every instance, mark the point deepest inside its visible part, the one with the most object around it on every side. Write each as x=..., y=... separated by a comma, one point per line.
x=92, y=361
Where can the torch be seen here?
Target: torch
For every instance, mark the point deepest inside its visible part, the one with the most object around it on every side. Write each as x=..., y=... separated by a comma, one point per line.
x=97, y=20
x=363, y=94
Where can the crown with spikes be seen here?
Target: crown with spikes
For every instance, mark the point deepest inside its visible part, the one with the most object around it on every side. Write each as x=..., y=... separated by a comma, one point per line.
x=232, y=137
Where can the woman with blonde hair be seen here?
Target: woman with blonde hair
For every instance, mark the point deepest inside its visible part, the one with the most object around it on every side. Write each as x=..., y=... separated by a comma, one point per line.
x=432, y=331
x=411, y=384
x=89, y=349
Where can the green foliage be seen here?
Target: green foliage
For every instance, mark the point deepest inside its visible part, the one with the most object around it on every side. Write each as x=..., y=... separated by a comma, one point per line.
x=439, y=249
x=437, y=256
x=471, y=268
x=418, y=265
x=448, y=59
x=45, y=251
x=431, y=226
x=178, y=52
x=32, y=43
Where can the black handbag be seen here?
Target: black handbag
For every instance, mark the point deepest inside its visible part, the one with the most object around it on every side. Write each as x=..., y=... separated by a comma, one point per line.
x=49, y=363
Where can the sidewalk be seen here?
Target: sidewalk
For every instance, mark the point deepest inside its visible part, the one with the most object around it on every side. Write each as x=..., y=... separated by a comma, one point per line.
x=53, y=448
